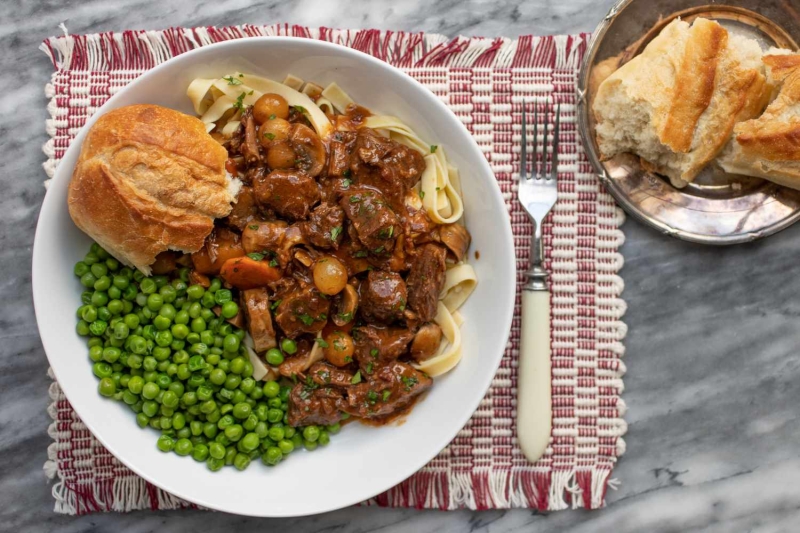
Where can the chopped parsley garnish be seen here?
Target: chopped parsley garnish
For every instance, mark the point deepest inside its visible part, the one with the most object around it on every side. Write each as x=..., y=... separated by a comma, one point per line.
x=438, y=188
x=372, y=397
x=373, y=353
x=239, y=103
x=379, y=249
x=433, y=148
x=253, y=226
x=421, y=195
x=272, y=116
x=322, y=343
x=386, y=394
x=335, y=232
x=345, y=317
x=360, y=253
x=306, y=319
x=324, y=376
x=269, y=136
x=232, y=81
x=255, y=256
x=386, y=233
x=346, y=183
x=348, y=359
x=369, y=368
x=273, y=263
x=347, y=173
x=275, y=304
x=337, y=345
x=355, y=199
x=409, y=382
x=356, y=378
x=300, y=109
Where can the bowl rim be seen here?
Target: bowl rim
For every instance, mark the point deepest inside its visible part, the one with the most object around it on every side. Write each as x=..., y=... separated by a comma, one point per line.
x=505, y=268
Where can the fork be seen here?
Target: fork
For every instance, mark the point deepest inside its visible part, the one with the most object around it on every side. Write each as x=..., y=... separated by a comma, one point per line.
x=537, y=195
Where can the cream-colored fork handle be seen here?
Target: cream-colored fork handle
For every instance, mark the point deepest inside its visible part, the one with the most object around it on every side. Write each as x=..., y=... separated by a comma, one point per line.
x=534, y=403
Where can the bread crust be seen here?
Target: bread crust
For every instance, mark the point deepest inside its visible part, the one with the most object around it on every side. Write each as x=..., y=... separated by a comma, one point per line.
x=148, y=179
x=694, y=83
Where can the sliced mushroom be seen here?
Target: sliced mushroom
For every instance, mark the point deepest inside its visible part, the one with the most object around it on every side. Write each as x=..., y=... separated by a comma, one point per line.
x=259, y=319
x=250, y=146
x=456, y=238
x=426, y=342
x=304, y=258
x=346, y=306
x=298, y=364
x=308, y=148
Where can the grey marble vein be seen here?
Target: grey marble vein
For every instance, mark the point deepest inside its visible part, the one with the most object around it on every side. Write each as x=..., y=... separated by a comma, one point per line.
x=713, y=383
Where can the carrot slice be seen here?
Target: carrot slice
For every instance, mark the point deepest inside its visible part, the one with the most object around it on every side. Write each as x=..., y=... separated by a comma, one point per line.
x=246, y=273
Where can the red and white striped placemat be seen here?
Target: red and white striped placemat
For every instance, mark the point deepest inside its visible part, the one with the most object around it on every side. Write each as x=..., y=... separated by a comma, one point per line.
x=485, y=82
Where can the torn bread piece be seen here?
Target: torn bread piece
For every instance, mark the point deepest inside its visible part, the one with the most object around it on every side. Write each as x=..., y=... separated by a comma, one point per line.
x=675, y=104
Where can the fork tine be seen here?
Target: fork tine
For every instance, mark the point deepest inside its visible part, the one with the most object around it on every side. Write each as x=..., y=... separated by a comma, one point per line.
x=534, y=168
x=523, y=151
x=554, y=152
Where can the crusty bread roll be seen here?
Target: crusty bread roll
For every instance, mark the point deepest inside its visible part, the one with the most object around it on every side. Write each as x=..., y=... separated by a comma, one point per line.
x=149, y=179
x=676, y=103
x=769, y=147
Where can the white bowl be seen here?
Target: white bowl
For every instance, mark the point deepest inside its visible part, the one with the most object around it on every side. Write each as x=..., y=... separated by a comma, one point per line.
x=360, y=462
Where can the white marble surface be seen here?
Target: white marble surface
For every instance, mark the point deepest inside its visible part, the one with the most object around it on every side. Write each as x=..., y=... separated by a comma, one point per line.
x=713, y=383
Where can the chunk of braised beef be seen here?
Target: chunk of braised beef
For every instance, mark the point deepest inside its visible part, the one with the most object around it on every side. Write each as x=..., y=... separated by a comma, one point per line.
x=290, y=193
x=244, y=210
x=373, y=221
x=259, y=319
x=376, y=346
x=383, y=297
x=389, y=390
x=325, y=226
x=325, y=374
x=314, y=406
x=304, y=310
x=426, y=279
x=396, y=163
x=341, y=147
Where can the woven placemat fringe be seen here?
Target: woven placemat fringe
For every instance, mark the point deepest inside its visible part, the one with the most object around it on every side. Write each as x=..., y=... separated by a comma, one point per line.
x=138, y=50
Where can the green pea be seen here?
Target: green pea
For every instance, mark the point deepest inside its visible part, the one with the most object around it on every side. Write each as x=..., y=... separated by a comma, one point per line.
x=163, y=381
x=276, y=433
x=147, y=286
x=131, y=320
x=297, y=440
x=183, y=433
x=80, y=268
x=155, y=302
x=284, y=394
x=135, y=361
x=121, y=282
x=237, y=365
x=183, y=372
x=161, y=323
x=217, y=376
x=102, y=312
x=214, y=464
x=212, y=358
x=247, y=385
x=195, y=292
x=88, y=280
x=234, y=432
x=115, y=294
x=274, y=403
x=106, y=387
x=250, y=442
x=99, y=270
x=198, y=325
x=160, y=280
x=210, y=429
x=161, y=354
x=193, y=338
x=200, y=452
x=177, y=344
x=142, y=420
x=170, y=399
x=286, y=447
x=96, y=353
x=207, y=338
x=129, y=293
x=274, y=415
x=241, y=411
x=239, y=397
x=163, y=338
x=310, y=446
x=183, y=447
x=115, y=307
x=178, y=420
x=182, y=317
x=177, y=387
x=207, y=301
x=224, y=365
x=137, y=344
x=82, y=328
x=168, y=294
x=165, y=443
x=272, y=456
x=129, y=398
x=150, y=363
x=98, y=327
x=271, y=389
x=150, y=391
x=311, y=433
x=86, y=297
x=194, y=310
x=324, y=438
x=136, y=384
x=225, y=421
x=88, y=313
x=121, y=331
x=216, y=450
x=102, y=284
x=150, y=376
x=189, y=398
x=101, y=369
x=149, y=407
x=257, y=393
x=289, y=346
x=274, y=357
